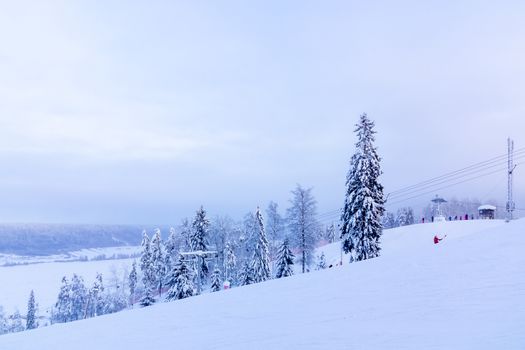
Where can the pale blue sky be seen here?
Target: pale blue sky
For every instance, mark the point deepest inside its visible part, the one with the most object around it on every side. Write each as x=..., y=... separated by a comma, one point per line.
x=138, y=112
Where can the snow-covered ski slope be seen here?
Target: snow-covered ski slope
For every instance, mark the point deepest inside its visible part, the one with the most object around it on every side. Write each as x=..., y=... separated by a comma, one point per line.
x=468, y=292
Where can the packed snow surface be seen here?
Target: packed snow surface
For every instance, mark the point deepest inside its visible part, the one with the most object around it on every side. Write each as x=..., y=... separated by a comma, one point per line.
x=467, y=292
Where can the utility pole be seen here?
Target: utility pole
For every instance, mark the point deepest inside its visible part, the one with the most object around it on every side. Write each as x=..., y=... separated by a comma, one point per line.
x=510, y=203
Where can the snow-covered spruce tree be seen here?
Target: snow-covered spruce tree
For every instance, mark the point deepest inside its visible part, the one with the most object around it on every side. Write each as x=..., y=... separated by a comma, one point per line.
x=321, y=262
x=4, y=327
x=400, y=217
x=199, y=232
x=284, y=260
x=364, y=203
x=246, y=275
x=405, y=216
x=132, y=281
x=388, y=220
x=180, y=281
x=172, y=247
x=199, y=240
x=158, y=262
x=410, y=220
x=62, y=309
x=216, y=282
x=147, y=298
x=330, y=233
x=172, y=243
x=79, y=297
x=96, y=298
x=31, y=312
x=114, y=302
x=230, y=264
x=146, y=265
x=303, y=225
x=274, y=229
x=261, y=256
x=248, y=238
x=185, y=232
x=148, y=277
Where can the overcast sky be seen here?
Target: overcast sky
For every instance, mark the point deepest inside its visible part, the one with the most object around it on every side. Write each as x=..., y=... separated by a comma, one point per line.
x=139, y=112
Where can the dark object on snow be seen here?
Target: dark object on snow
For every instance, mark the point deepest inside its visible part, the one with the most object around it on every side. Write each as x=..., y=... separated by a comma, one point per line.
x=437, y=239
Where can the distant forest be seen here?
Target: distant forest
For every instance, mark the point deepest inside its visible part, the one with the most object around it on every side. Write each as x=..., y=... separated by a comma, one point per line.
x=47, y=239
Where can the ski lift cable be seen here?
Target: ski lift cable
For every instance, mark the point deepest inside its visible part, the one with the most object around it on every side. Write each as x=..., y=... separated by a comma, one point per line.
x=480, y=164
x=499, y=159
x=451, y=185
x=459, y=176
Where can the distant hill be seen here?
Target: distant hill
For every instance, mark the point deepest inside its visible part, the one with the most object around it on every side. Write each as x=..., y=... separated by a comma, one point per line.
x=46, y=239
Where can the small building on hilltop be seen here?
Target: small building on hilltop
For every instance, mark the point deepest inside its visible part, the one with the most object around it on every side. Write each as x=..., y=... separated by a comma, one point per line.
x=487, y=211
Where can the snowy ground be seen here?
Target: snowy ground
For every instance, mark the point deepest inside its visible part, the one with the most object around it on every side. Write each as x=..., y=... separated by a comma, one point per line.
x=106, y=253
x=468, y=292
x=45, y=279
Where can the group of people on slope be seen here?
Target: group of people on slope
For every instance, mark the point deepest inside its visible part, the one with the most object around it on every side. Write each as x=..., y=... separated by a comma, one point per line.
x=455, y=218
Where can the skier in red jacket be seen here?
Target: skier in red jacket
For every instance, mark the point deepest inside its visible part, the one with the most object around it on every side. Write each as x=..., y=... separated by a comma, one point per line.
x=437, y=239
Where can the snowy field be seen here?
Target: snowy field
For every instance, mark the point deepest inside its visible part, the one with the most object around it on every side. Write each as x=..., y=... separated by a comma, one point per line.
x=468, y=292
x=45, y=279
x=78, y=255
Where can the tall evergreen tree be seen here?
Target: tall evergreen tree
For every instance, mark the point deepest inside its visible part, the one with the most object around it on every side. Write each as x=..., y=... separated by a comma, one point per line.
x=199, y=232
x=180, y=281
x=330, y=233
x=185, y=232
x=172, y=243
x=230, y=264
x=79, y=297
x=62, y=309
x=246, y=275
x=249, y=235
x=31, y=312
x=146, y=262
x=303, y=225
x=364, y=203
x=96, y=301
x=148, y=274
x=284, y=260
x=172, y=248
x=216, y=282
x=199, y=241
x=274, y=229
x=158, y=261
x=261, y=256
x=133, y=278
